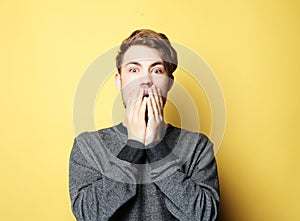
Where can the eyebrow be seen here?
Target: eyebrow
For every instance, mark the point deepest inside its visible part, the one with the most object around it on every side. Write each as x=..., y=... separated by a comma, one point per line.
x=138, y=64
x=157, y=63
x=133, y=62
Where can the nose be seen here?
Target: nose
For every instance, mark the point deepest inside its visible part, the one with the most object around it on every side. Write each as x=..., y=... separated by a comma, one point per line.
x=146, y=80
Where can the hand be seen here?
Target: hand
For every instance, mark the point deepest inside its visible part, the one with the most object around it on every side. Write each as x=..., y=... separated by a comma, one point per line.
x=156, y=127
x=135, y=118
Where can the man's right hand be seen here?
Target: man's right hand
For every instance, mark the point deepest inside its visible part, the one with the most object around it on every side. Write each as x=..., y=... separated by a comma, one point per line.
x=135, y=117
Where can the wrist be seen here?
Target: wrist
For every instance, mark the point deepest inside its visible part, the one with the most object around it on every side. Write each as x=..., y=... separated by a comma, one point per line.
x=137, y=139
x=136, y=144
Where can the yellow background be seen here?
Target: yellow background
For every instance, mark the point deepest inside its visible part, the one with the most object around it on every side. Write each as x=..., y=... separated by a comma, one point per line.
x=252, y=46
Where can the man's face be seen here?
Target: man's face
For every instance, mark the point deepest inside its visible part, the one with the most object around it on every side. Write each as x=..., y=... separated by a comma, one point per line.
x=142, y=67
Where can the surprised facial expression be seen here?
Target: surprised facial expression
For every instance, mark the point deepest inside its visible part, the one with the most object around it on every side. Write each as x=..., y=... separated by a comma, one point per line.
x=142, y=69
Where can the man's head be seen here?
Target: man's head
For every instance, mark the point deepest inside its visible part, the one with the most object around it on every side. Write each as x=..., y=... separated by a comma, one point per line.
x=151, y=39
x=145, y=60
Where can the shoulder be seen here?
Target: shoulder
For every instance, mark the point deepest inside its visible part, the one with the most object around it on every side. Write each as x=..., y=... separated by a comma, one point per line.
x=100, y=141
x=191, y=137
x=90, y=137
x=196, y=150
x=194, y=146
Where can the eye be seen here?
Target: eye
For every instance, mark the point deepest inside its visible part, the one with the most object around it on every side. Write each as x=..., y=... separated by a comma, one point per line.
x=133, y=70
x=157, y=71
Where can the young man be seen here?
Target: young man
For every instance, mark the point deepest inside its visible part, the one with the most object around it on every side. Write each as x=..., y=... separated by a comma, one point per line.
x=163, y=185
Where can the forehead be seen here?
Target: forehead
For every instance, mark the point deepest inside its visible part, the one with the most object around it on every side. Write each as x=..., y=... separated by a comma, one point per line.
x=141, y=53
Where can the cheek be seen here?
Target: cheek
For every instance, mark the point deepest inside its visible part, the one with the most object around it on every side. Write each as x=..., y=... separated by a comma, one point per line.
x=128, y=84
x=128, y=80
x=163, y=85
x=129, y=88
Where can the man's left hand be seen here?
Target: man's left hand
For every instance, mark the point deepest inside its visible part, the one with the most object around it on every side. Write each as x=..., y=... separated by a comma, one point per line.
x=156, y=127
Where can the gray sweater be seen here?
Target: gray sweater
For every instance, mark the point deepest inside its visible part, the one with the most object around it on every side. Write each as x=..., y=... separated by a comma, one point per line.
x=190, y=192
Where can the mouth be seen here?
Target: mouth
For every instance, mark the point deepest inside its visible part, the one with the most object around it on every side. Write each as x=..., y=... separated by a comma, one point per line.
x=145, y=93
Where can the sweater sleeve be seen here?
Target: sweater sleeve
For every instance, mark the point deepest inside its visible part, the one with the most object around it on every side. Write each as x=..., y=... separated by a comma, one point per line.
x=93, y=195
x=192, y=192
x=157, y=151
x=133, y=152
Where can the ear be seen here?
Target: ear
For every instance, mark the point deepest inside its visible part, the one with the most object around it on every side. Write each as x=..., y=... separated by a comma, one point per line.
x=118, y=81
x=171, y=82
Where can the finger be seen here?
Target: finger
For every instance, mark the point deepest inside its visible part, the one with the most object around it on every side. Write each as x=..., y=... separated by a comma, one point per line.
x=140, y=96
x=157, y=99
x=153, y=102
x=129, y=110
x=160, y=98
x=138, y=102
x=141, y=93
x=154, y=106
x=150, y=108
x=151, y=98
x=143, y=109
x=132, y=102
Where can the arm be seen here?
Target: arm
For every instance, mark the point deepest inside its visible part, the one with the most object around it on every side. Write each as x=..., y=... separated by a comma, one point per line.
x=133, y=152
x=94, y=196
x=192, y=193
